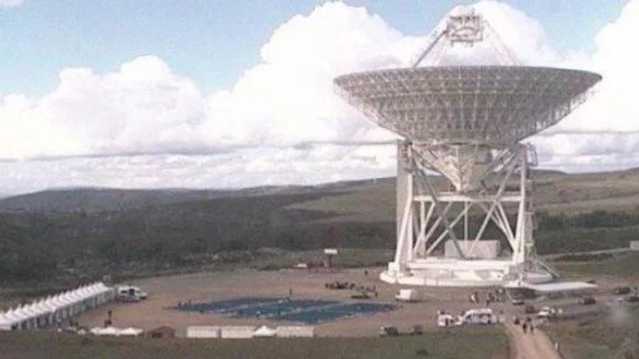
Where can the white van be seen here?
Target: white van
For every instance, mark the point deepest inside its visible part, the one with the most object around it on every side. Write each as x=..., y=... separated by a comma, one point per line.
x=129, y=293
x=479, y=316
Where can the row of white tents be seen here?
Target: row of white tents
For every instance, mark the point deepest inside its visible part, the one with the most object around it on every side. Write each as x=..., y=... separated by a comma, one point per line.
x=54, y=310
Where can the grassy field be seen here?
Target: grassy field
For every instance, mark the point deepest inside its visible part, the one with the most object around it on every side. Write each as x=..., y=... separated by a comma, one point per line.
x=554, y=193
x=478, y=343
x=618, y=266
x=613, y=334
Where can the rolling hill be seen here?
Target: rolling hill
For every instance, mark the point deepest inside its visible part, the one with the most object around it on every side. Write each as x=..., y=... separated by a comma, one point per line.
x=87, y=232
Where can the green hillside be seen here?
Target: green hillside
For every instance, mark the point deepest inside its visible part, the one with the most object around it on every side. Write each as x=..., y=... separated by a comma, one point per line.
x=81, y=234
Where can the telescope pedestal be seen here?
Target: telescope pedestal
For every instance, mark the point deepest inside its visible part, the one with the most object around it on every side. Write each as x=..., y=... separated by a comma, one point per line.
x=436, y=243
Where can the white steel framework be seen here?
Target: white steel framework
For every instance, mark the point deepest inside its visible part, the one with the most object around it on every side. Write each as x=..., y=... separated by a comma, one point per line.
x=428, y=217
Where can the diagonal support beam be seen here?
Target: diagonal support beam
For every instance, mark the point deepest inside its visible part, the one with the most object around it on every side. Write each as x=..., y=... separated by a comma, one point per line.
x=443, y=235
x=444, y=218
x=502, y=224
x=500, y=191
x=424, y=218
x=432, y=229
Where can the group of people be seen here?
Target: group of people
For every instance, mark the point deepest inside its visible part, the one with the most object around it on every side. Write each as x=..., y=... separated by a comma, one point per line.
x=498, y=296
x=527, y=325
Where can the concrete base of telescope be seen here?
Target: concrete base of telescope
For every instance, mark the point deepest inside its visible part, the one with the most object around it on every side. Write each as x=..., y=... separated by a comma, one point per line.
x=448, y=272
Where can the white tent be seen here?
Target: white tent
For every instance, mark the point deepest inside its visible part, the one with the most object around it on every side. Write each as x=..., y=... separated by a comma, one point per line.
x=105, y=331
x=131, y=332
x=55, y=309
x=16, y=318
x=264, y=332
x=5, y=322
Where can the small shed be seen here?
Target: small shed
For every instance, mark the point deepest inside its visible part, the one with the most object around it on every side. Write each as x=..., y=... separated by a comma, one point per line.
x=200, y=331
x=329, y=253
x=407, y=295
x=237, y=332
x=162, y=332
x=295, y=332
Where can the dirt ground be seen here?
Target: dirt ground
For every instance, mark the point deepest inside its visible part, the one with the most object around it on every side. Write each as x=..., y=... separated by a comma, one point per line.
x=531, y=345
x=165, y=292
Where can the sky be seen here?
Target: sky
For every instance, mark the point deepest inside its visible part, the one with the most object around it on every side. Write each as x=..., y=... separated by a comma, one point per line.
x=218, y=94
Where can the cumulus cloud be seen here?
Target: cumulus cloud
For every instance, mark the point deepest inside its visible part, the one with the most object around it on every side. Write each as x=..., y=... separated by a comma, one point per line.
x=142, y=107
x=10, y=3
x=604, y=132
x=277, y=123
x=289, y=98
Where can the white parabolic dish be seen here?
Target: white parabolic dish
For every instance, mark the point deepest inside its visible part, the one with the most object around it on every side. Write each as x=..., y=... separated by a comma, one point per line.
x=492, y=105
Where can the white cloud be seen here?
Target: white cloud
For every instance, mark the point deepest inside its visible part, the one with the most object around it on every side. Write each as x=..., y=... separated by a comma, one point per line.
x=286, y=100
x=289, y=97
x=143, y=107
x=604, y=132
x=10, y=3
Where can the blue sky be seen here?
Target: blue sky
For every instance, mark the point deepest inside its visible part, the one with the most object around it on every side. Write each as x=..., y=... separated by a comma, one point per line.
x=211, y=41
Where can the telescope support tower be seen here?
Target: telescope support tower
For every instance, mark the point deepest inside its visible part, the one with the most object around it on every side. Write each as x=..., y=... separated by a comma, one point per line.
x=428, y=219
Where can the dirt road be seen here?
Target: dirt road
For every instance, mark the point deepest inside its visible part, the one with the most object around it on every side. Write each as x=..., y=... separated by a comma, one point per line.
x=530, y=346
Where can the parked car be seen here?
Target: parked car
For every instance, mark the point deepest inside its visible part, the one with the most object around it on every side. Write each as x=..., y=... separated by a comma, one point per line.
x=587, y=301
x=632, y=299
x=530, y=309
x=621, y=290
x=549, y=312
x=417, y=330
x=388, y=331
x=128, y=293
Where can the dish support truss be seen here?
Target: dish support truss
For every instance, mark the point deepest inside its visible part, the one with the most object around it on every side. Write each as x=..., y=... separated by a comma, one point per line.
x=427, y=218
x=465, y=28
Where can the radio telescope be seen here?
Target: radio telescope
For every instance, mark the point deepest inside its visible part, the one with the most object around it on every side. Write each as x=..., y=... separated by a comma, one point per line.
x=473, y=224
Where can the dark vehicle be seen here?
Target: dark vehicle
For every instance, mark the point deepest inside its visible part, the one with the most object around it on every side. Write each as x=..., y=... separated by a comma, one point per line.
x=518, y=302
x=587, y=301
x=633, y=299
x=417, y=330
x=622, y=290
x=361, y=295
x=530, y=309
x=388, y=331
